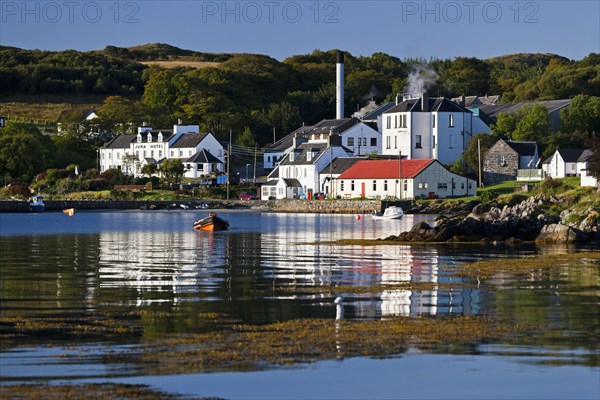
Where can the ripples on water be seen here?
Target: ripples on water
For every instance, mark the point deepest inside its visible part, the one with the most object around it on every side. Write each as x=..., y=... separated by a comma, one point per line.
x=122, y=261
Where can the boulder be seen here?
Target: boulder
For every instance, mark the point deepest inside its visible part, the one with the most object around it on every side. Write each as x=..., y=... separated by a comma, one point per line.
x=558, y=233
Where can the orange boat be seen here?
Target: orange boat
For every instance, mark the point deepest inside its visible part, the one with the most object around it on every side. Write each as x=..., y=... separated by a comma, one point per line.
x=211, y=223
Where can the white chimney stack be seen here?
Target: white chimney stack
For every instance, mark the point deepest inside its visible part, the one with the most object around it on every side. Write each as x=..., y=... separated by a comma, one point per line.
x=339, y=85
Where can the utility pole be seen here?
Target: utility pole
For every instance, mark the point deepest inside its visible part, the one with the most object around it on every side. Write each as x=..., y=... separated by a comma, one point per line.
x=274, y=135
x=254, y=178
x=229, y=163
x=330, y=170
x=479, y=159
x=399, y=174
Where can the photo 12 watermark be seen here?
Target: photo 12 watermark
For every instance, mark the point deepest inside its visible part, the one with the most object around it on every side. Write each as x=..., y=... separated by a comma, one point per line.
x=53, y=12
x=253, y=12
x=453, y=12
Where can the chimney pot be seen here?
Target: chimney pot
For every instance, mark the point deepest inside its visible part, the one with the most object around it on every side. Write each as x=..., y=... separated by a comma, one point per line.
x=424, y=102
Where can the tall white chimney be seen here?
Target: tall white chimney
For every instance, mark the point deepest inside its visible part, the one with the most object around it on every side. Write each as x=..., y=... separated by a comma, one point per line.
x=339, y=85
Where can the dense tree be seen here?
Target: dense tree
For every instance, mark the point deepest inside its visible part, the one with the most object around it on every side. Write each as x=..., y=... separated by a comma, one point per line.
x=24, y=151
x=533, y=124
x=172, y=170
x=594, y=158
x=246, y=138
x=583, y=114
x=468, y=76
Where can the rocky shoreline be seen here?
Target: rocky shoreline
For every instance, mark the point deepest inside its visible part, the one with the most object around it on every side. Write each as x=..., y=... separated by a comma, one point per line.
x=523, y=222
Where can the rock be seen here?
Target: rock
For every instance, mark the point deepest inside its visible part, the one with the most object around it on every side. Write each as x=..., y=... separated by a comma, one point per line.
x=558, y=233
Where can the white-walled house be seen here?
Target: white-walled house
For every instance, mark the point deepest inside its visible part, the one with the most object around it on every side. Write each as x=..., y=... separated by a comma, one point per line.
x=565, y=162
x=419, y=178
x=424, y=127
x=201, y=153
x=360, y=137
x=301, y=168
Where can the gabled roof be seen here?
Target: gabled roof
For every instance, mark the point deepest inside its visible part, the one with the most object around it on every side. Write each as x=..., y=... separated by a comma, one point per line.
x=274, y=174
x=120, y=142
x=512, y=108
x=203, y=157
x=522, y=148
x=300, y=154
x=570, y=155
x=340, y=164
x=378, y=111
x=386, y=169
x=189, y=140
x=288, y=140
x=477, y=101
x=166, y=135
x=290, y=182
x=436, y=104
x=337, y=125
x=584, y=156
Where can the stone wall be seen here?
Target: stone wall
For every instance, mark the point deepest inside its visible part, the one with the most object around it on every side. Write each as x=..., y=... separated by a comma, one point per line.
x=291, y=206
x=493, y=172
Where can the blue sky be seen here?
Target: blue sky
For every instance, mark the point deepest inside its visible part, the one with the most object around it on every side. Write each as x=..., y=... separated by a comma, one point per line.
x=282, y=28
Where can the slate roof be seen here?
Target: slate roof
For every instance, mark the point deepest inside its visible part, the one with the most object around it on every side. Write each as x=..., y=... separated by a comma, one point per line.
x=512, y=108
x=290, y=182
x=188, y=140
x=477, y=101
x=386, y=169
x=167, y=134
x=301, y=151
x=340, y=164
x=436, y=104
x=570, y=155
x=288, y=140
x=378, y=111
x=522, y=148
x=120, y=142
x=274, y=174
x=203, y=157
x=584, y=155
x=337, y=125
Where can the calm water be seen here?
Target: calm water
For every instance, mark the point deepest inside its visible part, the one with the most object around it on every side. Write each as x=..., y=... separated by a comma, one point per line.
x=119, y=262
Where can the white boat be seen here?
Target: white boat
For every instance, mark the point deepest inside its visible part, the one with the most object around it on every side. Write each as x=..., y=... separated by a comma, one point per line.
x=36, y=204
x=392, y=212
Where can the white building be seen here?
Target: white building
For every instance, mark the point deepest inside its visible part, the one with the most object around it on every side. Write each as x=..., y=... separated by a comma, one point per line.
x=201, y=153
x=423, y=178
x=566, y=162
x=360, y=137
x=299, y=173
x=429, y=128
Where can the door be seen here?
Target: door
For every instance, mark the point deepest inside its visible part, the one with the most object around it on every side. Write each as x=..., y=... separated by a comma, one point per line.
x=362, y=189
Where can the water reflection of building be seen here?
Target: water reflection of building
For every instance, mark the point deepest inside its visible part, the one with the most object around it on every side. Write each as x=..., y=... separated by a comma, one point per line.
x=293, y=255
x=151, y=262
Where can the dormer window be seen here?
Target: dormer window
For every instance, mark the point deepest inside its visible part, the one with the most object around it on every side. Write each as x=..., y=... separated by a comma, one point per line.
x=308, y=155
x=149, y=138
x=139, y=138
x=292, y=156
x=160, y=137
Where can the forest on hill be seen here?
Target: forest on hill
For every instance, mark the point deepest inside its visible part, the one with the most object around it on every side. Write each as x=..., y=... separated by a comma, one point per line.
x=253, y=94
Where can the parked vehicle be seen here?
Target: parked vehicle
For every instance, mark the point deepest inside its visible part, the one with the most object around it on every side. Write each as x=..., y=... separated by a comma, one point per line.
x=248, y=196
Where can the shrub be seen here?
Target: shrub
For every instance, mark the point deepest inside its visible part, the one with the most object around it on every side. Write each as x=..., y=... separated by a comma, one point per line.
x=19, y=190
x=488, y=196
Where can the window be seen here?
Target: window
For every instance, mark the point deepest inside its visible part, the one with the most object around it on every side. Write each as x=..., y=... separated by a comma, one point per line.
x=385, y=185
x=418, y=143
x=364, y=141
x=405, y=186
x=451, y=120
x=352, y=185
x=396, y=121
x=180, y=153
x=433, y=125
x=462, y=186
x=395, y=142
x=160, y=154
x=423, y=185
x=420, y=185
x=350, y=141
x=374, y=185
x=388, y=122
x=442, y=186
x=152, y=153
x=450, y=141
x=433, y=142
x=190, y=153
x=200, y=167
x=404, y=118
x=144, y=153
x=501, y=160
x=374, y=142
x=172, y=155
x=387, y=142
x=341, y=186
